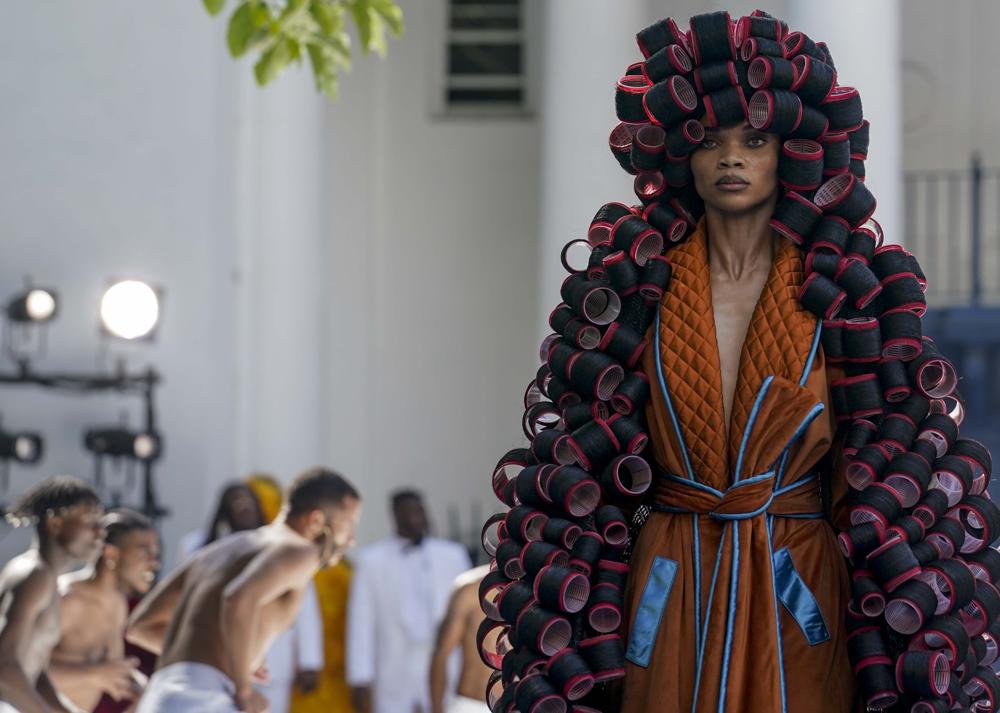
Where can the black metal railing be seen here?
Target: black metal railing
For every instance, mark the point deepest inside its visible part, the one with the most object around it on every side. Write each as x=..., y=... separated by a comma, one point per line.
x=952, y=225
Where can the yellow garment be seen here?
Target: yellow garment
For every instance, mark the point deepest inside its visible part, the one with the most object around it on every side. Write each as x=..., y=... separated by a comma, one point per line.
x=268, y=494
x=333, y=695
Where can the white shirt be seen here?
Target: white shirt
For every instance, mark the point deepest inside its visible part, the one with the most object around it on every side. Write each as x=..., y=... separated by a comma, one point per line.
x=399, y=594
x=295, y=649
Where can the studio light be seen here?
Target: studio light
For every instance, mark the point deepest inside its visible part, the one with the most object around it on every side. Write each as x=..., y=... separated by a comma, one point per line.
x=141, y=445
x=130, y=309
x=20, y=447
x=33, y=305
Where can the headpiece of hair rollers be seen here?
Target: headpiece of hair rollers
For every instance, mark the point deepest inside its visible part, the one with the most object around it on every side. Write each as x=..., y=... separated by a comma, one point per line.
x=623, y=343
x=911, y=604
x=591, y=300
x=536, y=694
x=938, y=430
x=861, y=539
x=847, y=197
x=893, y=563
x=655, y=279
x=573, y=491
x=897, y=433
x=909, y=476
x=605, y=655
x=666, y=220
x=607, y=215
x=946, y=634
x=667, y=102
x=909, y=528
x=627, y=475
x=923, y=673
x=860, y=433
x=946, y=536
x=537, y=555
x=877, y=502
x=800, y=165
x=586, y=552
x=821, y=296
x=604, y=608
x=524, y=524
x=560, y=588
x=544, y=631
x=611, y=524
x=980, y=518
x=932, y=373
x=984, y=564
x=860, y=283
x=490, y=589
x=952, y=582
x=569, y=673
x=577, y=332
x=795, y=216
x=866, y=594
x=830, y=235
x=632, y=393
x=872, y=666
x=982, y=611
x=978, y=458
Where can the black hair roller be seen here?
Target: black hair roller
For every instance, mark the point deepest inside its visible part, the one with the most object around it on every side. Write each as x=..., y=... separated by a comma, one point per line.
x=980, y=650
x=620, y=143
x=632, y=393
x=896, y=434
x=569, y=673
x=891, y=260
x=954, y=477
x=655, y=279
x=830, y=235
x=662, y=217
x=594, y=374
x=775, y=110
x=629, y=96
x=923, y=673
x=648, y=148
x=574, y=491
x=685, y=137
x=604, y=608
x=658, y=35
x=860, y=433
x=560, y=532
x=916, y=406
x=982, y=611
x=832, y=337
x=542, y=377
x=843, y=107
x=514, y=599
x=612, y=572
x=836, y=154
x=509, y=559
x=876, y=503
x=490, y=588
x=867, y=464
x=621, y=273
x=539, y=416
x=845, y=196
x=909, y=528
x=767, y=72
x=580, y=334
x=893, y=563
x=544, y=631
x=862, y=244
x=812, y=125
x=862, y=339
x=505, y=702
x=988, y=686
x=605, y=655
x=903, y=291
x=586, y=551
x=666, y=62
x=795, y=217
x=933, y=375
x=978, y=458
x=864, y=394
x=981, y=519
x=860, y=283
x=946, y=536
x=594, y=444
x=675, y=173
x=560, y=588
x=797, y=43
x=901, y=338
x=531, y=485
x=909, y=476
x=946, y=634
x=984, y=564
x=957, y=698
x=624, y=344
x=536, y=694
x=939, y=430
x=711, y=38
x=800, y=164
x=925, y=552
x=861, y=539
x=627, y=475
x=841, y=409
x=535, y=556
x=637, y=238
x=670, y=101
x=558, y=358
x=814, y=79
x=725, y=106
x=866, y=594
x=759, y=24
x=595, y=267
x=992, y=638
x=859, y=140
x=952, y=582
x=823, y=262
x=492, y=642
x=605, y=218
x=578, y=414
x=595, y=302
x=561, y=393
x=872, y=667
x=687, y=204
x=524, y=524
x=911, y=605
x=494, y=530
x=713, y=76
x=821, y=296
x=893, y=378
x=629, y=433
x=611, y=524
x=760, y=46
x=507, y=468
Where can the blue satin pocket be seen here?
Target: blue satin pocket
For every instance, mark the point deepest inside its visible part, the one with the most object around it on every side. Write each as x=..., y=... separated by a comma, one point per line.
x=795, y=596
x=651, y=605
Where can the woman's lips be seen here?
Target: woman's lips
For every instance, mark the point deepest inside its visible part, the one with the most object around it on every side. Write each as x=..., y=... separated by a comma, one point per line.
x=732, y=187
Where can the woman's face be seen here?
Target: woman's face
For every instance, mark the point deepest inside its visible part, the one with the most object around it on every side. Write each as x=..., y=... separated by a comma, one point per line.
x=736, y=169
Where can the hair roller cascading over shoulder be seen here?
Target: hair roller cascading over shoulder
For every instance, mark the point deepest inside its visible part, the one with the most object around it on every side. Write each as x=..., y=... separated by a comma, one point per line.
x=896, y=401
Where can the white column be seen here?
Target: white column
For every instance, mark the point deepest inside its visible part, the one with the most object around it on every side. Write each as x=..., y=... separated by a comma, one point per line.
x=587, y=46
x=281, y=414
x=863, y=38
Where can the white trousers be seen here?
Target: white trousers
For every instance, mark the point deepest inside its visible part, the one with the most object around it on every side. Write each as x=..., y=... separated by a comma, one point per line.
x=461, y=704
x=7, y=708
x=188, y=687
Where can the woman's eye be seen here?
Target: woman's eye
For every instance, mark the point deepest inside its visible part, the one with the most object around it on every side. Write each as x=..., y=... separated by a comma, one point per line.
x=708, y=143
x=757, y=141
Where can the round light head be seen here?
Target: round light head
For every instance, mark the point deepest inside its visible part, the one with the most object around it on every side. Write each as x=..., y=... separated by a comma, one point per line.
x=146, y=446
x=130, y=309
x=34, y=305
x=27, y=449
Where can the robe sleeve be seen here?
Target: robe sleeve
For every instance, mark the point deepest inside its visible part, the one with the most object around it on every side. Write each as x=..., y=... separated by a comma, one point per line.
x=360, y=669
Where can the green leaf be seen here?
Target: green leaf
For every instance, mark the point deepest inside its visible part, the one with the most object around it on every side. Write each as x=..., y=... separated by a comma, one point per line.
x=391, y=13
x=272, y=62
x=330, y=18
x=261, y=14
x=241, y=28
x=324, y=69
x=214, y=7
x=363, y=21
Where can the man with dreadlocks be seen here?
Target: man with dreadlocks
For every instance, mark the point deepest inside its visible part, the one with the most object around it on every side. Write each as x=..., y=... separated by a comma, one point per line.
x=787, y=392
x=66, y=514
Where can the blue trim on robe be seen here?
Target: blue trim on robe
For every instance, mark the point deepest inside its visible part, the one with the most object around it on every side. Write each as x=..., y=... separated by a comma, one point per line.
x=798, y=600
x=653, y=601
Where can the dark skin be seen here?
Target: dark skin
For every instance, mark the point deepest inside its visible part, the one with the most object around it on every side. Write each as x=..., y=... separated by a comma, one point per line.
x=735, y=173
x=29, y=606
x=413, y=524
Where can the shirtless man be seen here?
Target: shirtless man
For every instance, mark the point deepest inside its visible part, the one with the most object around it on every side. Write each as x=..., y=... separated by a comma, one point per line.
x=458, y=628
x=67, y=516
x=211, y=621
x=90, y=658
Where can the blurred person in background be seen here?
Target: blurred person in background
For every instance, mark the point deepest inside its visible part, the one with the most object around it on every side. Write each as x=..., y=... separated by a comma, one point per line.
x=398, y=597
x=66, y=514
x=238, y=510
x=458, y=629
x=213, y=619
x=90, y=659
x=295, y=658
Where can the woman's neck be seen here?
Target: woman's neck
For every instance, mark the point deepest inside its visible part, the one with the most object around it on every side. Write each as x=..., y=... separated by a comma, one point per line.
x=739, y=244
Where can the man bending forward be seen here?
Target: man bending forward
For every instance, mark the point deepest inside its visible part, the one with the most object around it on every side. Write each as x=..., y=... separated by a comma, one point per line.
x=212, y=620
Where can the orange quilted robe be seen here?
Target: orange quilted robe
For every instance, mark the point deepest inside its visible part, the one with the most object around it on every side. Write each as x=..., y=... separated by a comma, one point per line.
x=756, y=529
